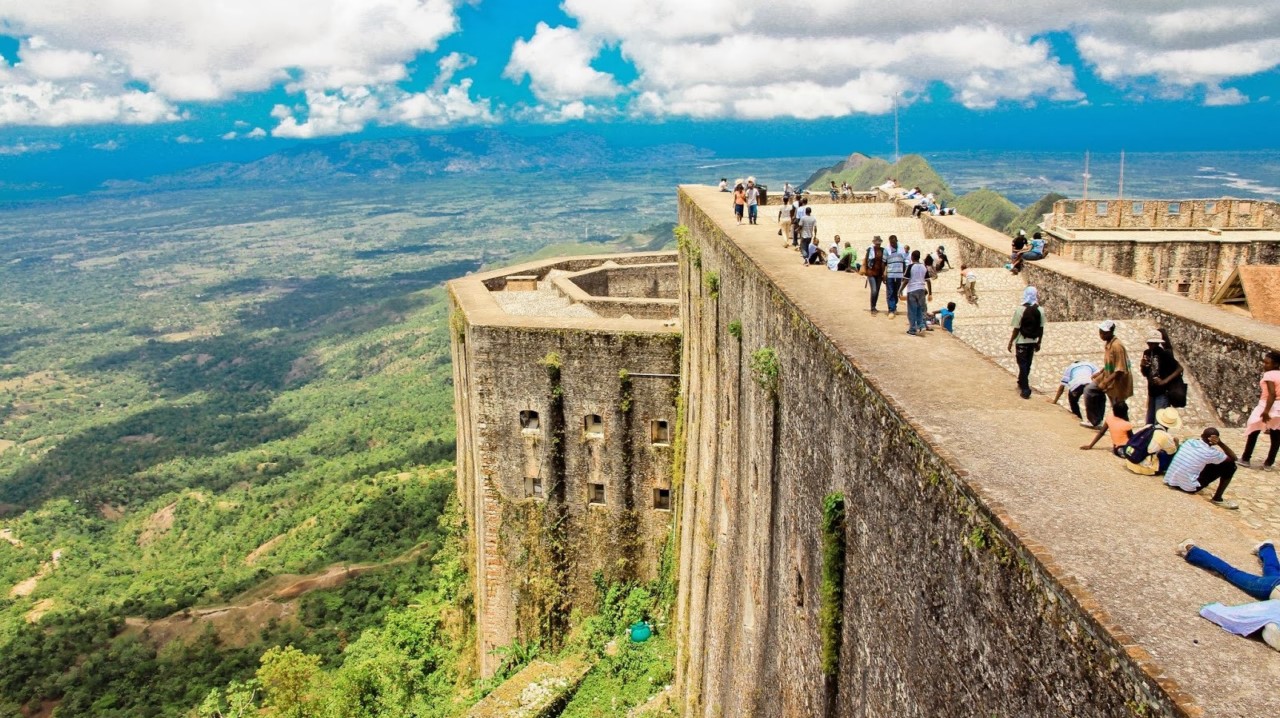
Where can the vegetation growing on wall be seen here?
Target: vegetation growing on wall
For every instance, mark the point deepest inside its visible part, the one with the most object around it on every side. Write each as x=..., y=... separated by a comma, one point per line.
x=735, y=329
x=687, y=247
x=711, y=280
x=766, y=369
x=831, y=614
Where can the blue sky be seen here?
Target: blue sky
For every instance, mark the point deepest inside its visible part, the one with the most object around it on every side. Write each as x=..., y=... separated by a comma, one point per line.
x=129, y=89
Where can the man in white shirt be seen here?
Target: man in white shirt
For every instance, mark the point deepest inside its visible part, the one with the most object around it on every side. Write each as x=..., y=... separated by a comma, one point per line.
x=1074, y=379
x=753, y=202
x=808, y=233
x=1200, y=462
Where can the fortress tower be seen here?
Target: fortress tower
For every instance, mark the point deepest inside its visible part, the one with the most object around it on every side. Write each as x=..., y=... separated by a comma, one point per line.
x=565, y=381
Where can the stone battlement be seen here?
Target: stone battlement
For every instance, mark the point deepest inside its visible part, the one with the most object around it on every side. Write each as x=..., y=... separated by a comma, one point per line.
x=991, y=567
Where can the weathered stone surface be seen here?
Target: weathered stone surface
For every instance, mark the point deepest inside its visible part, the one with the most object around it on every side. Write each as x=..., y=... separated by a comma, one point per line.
x=992, y=567
x=538, y=533
x=539, y=690
x=1223, y=349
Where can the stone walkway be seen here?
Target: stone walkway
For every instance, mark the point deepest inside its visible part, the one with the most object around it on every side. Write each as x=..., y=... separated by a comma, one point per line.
x=986, y=327
x=1111, y=532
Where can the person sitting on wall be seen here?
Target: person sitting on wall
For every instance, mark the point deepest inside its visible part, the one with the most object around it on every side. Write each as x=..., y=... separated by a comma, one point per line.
x=835, y=191
x=1017, y=247
x=944, y=317
x=890, y=185
x=1154, y=458
x=847, y=261
x=1251, y=618
x=1200, y=462
x=833, y=255
x=940, y=261
x=1031, y=254
x=787, y=192
x=724, y=184
x=1075, y=378
x=1120, y=431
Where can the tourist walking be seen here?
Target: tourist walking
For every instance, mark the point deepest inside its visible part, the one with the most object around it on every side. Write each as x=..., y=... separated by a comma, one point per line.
x=739, y=201
x=1114, y=382
x=1028, y=331
x=1164, y=376
x=873, y=268
x=1075, y=378
x=753, y=201
x=895, y=269
x=1264, y=416
x=1200, y=462
x=917, y=289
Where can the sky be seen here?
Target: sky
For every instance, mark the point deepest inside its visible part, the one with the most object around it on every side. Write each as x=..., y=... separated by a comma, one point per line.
x=129, y=88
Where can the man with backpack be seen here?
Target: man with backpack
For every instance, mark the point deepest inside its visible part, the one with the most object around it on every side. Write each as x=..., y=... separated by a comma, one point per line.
x=1028, y=331
x=1152, y=447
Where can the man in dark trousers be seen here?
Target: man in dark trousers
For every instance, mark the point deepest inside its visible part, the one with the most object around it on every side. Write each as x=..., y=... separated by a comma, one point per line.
x=873, y=268
x=1028, y=330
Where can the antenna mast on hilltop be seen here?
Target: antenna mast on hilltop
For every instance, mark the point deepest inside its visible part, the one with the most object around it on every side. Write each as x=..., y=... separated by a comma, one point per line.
x=896, y=156
x=1086, y=174
x=1121, y=192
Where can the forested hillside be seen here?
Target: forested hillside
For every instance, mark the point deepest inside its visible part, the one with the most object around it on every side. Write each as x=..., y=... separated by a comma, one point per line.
x=226, y=426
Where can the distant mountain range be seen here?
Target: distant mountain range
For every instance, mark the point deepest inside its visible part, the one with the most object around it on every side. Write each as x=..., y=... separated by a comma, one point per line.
x=982, y=205
x=408, y=158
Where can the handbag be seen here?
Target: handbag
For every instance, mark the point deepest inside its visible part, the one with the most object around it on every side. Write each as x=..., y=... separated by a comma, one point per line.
x=1177, y=393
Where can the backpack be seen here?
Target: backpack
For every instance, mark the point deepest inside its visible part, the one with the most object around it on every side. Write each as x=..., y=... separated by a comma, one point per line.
x=1030, y=326
x=1138, y=448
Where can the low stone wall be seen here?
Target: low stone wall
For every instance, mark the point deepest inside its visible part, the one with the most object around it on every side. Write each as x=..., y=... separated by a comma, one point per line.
x=1222, y=350
x=946, y=611
x=642, y=281
x=1165, y=214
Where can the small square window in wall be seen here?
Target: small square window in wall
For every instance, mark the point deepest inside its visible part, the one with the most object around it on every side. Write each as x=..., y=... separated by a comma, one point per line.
x=660, y=432
x=1136, y=207
x=662, y=499
x=595, y=493
x=593, y=425
x=1175, y=208
x=529, y=420
x=1184, y=287
x=1100, y=208
x=535, y=488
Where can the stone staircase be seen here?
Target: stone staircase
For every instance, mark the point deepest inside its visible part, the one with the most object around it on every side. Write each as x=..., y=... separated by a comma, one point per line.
x=986, y=325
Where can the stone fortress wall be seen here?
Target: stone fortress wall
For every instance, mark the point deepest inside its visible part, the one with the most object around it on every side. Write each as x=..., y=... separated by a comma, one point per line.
x=948, y=610
x=1186, y=247
x=1220, y=348
x=565, y=419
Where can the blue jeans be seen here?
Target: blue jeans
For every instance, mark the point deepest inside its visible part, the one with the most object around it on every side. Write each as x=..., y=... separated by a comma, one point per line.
x=874, y=283
x=892, y=286
x=1155, y=403
x=916, y=310
x=753, y=210
x=1259, y=587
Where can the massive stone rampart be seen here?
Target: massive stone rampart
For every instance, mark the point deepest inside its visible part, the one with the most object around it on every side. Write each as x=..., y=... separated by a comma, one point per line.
x=948, y=608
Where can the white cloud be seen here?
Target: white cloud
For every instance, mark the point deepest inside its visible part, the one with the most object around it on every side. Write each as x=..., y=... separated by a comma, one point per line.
x=108, y=146
x=134, y=61
x=1223, y=97
x=28, y=148
x=229, y=136
x=824, y=58
x=187, y=140
x=351, y=109
x=256, y=133
x=557, y=61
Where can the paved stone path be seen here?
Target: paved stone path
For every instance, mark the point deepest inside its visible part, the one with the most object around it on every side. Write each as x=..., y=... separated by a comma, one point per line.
x=1111, y=532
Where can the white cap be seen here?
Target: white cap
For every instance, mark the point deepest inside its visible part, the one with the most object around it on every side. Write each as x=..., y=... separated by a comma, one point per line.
x=1155, y=338
x=1107, y=326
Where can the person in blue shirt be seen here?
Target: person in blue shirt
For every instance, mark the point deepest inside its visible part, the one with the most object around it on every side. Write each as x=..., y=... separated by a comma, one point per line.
x=1034, y=252
x=944, y=317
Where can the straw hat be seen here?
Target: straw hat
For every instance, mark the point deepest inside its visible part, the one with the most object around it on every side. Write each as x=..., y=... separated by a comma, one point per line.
x=1168, y=418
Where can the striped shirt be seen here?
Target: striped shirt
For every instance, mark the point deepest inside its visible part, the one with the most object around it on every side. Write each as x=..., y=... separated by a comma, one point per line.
x=895, y=263
x=1192, y=457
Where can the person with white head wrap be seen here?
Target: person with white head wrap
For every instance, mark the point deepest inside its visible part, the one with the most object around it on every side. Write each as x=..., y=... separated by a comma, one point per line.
x=1028, y=330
